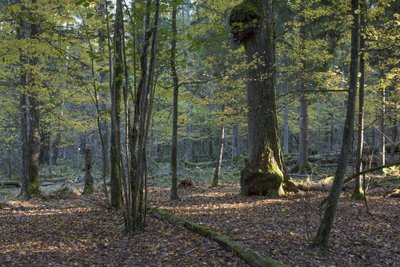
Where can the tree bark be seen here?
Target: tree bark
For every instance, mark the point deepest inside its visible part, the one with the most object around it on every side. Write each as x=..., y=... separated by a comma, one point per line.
x=358, y=193
x=218, y=166
x=89, y=183
x=381, y=135
x=175, y=81
x=264, y=170
x=34, y=134
x=235, y=141
x=116, y=152
x=303, y=164
x=322, y=237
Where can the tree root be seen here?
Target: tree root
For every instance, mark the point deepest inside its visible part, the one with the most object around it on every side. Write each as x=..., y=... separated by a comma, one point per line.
x=251, y=257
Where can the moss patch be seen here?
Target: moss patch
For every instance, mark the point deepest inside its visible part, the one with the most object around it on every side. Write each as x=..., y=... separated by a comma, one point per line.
x=244, y=19
x=266, y=182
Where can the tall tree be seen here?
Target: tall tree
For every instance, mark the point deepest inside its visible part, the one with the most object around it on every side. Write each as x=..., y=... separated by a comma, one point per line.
x=252, y=25
x=116, y=152
x=33, y=107
x=322, y=237
x=358, y=193
x=175, y=82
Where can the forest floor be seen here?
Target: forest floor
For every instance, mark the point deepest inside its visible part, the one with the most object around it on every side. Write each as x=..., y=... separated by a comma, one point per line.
x=283, y=228
x=71, y=230
x=77, y=231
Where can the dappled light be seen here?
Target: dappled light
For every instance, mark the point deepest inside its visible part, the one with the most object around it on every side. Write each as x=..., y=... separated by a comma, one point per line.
x=246, y=133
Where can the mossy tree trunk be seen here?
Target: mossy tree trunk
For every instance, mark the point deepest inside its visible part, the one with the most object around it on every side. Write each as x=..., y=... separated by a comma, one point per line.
x=252, y=25
x=326, y=224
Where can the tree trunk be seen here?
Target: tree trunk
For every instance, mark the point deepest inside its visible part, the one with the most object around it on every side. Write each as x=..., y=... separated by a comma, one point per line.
x=235, y=141
x=56, y=149
x=303, y=164
x=89, y=183
x=217, y=171
x=381, y=135
x=264, y=170
x=394, y=135
x=24, y=141
x=116, y=152
x=325, y=227
x=174, y=75
x=286, y=120
x=358, y=193
x=34, y=134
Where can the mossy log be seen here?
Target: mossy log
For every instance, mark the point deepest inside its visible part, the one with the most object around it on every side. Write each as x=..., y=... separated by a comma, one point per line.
x=251, y=257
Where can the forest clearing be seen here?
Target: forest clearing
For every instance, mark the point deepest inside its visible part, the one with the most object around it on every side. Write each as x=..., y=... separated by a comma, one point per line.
x=199, y=133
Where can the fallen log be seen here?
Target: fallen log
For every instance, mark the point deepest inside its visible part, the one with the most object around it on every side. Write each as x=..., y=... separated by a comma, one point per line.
x=314, y=187
x=251, y=257
x=10, y=184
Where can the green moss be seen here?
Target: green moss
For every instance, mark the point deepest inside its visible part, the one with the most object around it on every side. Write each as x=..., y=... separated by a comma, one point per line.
x=358, y=194
x=302, y=168
x=266, y=182
x=244, y=19
x=246, y=11
x=89, y=188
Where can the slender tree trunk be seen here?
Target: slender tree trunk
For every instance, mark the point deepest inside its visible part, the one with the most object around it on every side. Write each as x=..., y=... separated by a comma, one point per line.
x=235, y=141
x=286, y=120
x=264, y=170
x=381, y=135
x=358, y=193
x=24, y=141
x=218, y=166
x=324, y=230
x=394, y=135
x=21, y=34
x=139, y=134
x=175, y=80
x=302, y=161
x=116, y=152
x=56, y=149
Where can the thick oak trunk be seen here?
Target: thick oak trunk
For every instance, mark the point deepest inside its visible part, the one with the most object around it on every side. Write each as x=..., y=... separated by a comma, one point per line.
x=252, y=25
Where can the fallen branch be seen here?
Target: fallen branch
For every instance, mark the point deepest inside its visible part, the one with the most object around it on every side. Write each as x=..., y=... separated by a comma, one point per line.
x=253, y=258
x=377, y=168
x=6, y=184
